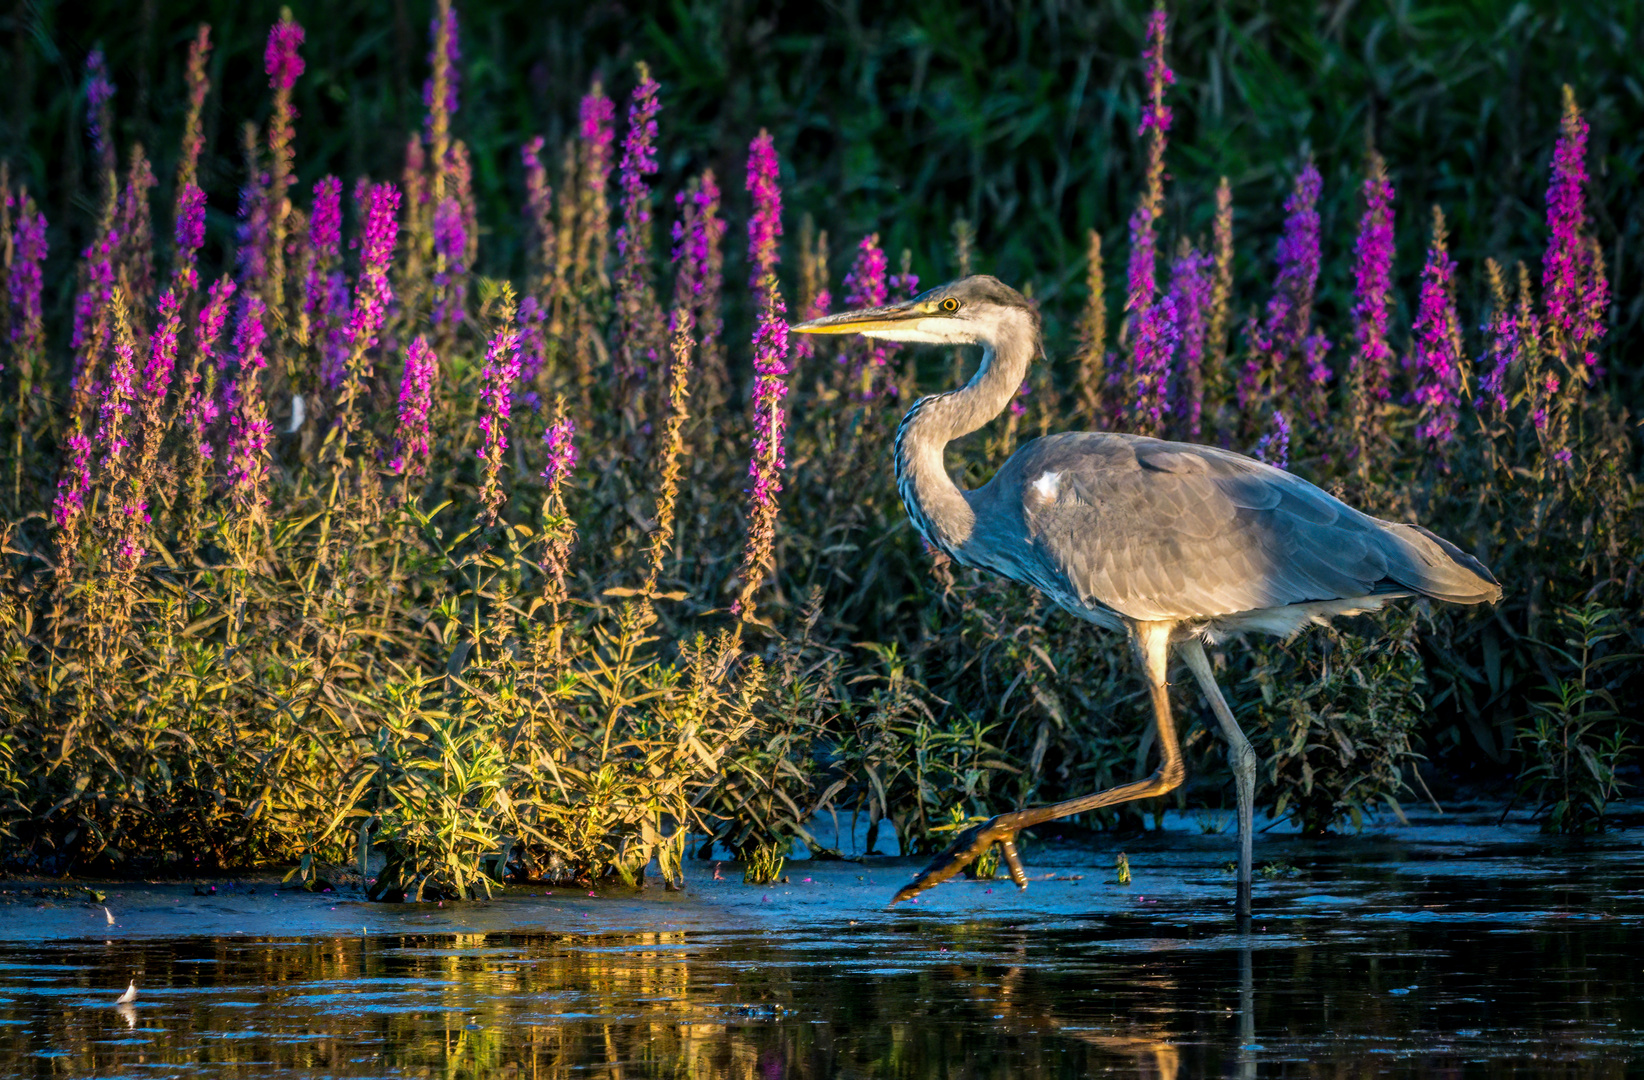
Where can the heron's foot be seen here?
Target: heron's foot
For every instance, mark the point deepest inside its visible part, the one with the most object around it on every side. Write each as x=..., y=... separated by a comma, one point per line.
x=966, y=848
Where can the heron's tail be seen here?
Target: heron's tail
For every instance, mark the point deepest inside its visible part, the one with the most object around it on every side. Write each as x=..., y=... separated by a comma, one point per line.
x=1429, y=564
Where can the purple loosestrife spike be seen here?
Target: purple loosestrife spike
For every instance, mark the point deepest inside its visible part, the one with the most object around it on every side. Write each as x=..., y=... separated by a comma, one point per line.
x=1372, y=291
x=496, y=404
x=92, y=307
x=135, y=224
x=865, y=287
x=250, y=432
x=373, y=294
x=450, y=249
x=770, y=372
x=200, y=401
x=709, y=316
x=533, y=347
x=1155, y=127
x=1153, y=340
x=199, y=85
x=25, y=282
x=1437, y=358
x=597, y=128
x=1190, y=284
x=588, y=281
x=439, y=92
x=559, y=438
x=459, y=173
x=1274, y=447
x=281, y=62
x=1290, y=310
x=1501, y=333
x=99, y=110
x=325, y=230
x=191, y=205
x=539, y=217
x=157, y=373
x=118, y=394
x=283, y=65
x=690, y=258
x=1151, y=327
x=765, y=226
x=73, y=485
x=639, y=319
x=1574, y=287
x=412, y=437
x=325, y=289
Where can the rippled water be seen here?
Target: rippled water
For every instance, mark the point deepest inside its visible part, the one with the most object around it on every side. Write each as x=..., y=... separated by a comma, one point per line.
x=1454, y=951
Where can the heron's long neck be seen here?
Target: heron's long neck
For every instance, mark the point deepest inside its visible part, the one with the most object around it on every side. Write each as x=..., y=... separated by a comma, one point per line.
x=936, y=504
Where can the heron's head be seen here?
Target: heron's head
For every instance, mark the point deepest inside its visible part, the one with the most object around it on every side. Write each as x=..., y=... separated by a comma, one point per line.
x=980, y=308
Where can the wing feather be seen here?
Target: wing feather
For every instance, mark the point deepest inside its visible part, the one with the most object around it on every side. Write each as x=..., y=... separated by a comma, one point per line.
x=1159, y=530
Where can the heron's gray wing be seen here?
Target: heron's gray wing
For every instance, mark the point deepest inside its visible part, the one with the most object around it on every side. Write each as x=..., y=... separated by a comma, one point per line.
x=1158, y=530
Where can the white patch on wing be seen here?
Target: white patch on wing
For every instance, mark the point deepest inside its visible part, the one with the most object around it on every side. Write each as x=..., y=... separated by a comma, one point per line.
x=1048, y=485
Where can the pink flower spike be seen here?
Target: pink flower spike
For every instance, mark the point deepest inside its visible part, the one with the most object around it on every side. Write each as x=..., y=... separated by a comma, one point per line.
x=281, y=61
x=412, y=439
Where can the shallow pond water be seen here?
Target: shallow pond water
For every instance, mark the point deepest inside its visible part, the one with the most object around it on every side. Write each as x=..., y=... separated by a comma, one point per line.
x=1450, y=947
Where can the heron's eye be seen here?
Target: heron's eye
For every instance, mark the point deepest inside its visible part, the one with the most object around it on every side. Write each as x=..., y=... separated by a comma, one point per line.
x=950, y=305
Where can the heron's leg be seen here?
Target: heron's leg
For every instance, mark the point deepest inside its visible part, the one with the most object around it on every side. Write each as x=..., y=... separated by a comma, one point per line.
x=1151, y=641
x=1243, y=760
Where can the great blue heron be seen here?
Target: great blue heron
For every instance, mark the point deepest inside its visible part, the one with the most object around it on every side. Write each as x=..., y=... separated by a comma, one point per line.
x=1171, y=543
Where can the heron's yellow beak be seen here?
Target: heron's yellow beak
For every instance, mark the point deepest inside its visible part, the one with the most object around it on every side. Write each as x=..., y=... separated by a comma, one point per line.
x=858, y=322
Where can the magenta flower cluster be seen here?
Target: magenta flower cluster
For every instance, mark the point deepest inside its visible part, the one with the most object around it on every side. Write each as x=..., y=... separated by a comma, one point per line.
x=1437, y=360
x=25, y=281
x=374, y=294
x=1373, y=287
x=200, y=411
x=162, y=354
x=119, y=392
x=281, y=61
x=1156, y=114
x=1290, y=308
x=638, y=162
x=497, y=380
x=771, y=333
x=1189, y=299
x=190, y=235
x=866, y=287
x=636, y=304
x=99, y=291
x=75, y=483
x=249, y=429
x=1274, y=447
x=99, y=92
x=1575, y=291
x=451, y=245
x=413, y=437
x=597, y=129
x=453, y=56
x=765, y=226
x=562, y=451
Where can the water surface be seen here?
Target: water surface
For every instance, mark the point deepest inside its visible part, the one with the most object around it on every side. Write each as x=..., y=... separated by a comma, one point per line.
x=1448, y=948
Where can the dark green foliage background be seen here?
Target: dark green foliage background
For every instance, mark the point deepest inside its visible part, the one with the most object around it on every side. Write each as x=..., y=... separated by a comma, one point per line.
x=900, y=118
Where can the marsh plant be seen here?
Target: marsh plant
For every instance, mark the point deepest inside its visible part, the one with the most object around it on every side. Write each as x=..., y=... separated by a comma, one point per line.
x=344, y=554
